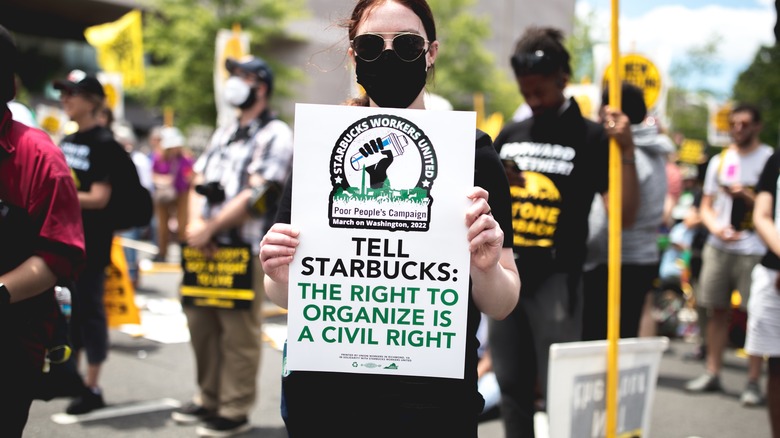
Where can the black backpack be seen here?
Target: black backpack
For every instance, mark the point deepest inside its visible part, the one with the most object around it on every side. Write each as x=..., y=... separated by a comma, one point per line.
x=131, y=203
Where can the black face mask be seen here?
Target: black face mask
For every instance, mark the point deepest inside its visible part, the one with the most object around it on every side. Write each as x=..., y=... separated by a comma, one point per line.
x=391, y=82
x=250, y=100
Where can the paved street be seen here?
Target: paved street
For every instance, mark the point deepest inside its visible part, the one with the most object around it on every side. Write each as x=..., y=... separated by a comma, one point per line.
x=151, y=377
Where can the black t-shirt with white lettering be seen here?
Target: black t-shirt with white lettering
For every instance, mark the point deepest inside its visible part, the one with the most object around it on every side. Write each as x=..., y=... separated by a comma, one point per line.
x=88, y=155
x=565, y=160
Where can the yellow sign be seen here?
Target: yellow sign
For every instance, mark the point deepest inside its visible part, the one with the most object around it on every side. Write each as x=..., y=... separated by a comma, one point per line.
x=120, y=47
x=223, y=280
x=119, y=297
x=234, y=44
x=111, y=95
x=234, y=48
x=721, y=118
x=51, y=124
x=691, y=151
x=639, y=71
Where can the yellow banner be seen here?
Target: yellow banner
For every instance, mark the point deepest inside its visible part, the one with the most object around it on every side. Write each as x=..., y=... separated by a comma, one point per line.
x=119, y=47
x=119, y=297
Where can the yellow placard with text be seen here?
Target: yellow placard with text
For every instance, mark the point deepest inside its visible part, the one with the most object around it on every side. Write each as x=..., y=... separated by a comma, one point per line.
x=119, y=297
x=222, y=280
x=640, y=71
x=691, y=151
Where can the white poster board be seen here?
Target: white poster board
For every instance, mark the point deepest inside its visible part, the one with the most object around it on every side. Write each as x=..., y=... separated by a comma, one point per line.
x=229, y=44
x=576, y=393
x=379, y=283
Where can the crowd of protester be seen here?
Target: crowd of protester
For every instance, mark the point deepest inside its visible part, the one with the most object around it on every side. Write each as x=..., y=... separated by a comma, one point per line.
x=704, y=230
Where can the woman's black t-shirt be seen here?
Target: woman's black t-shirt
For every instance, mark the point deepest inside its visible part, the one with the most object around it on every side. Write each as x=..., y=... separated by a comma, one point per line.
x=88, y=155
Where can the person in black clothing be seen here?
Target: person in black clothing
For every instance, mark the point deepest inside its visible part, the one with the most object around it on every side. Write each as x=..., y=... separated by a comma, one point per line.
x=349, y=405
x=556, y=162
x=90, y=153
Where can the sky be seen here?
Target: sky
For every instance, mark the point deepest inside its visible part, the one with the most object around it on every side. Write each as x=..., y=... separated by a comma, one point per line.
x=664, y=30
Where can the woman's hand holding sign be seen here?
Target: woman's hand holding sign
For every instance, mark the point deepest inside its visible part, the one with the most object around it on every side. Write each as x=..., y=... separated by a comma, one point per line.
x=496, y=285
x=484, y=235
x=276, y=253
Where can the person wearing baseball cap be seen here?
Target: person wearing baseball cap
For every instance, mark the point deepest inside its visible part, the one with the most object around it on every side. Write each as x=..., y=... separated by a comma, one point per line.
x=43, y=240
x=244, y=157
x=251, y=65
x=91, y=152
x=80, y=82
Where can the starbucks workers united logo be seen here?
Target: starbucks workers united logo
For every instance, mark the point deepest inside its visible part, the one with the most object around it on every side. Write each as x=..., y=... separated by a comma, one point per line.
x=382, y=171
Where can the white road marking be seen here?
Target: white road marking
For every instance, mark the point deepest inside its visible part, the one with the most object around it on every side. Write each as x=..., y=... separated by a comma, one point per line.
x=115, y=411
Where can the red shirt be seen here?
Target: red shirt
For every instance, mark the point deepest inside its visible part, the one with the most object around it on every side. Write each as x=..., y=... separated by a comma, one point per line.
x=34, y=176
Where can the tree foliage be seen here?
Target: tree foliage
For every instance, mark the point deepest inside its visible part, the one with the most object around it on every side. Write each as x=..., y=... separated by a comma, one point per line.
x=580, y=47
x=687, y=113
x=759, y=84
x=699, y=61
x=686, y=105
x=464, y=66
x=179, y=38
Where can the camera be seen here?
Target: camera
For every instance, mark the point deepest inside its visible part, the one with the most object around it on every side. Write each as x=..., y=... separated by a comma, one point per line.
x=213, y=191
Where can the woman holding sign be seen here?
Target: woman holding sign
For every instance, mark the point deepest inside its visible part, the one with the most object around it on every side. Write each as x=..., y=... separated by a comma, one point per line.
x=393, y=45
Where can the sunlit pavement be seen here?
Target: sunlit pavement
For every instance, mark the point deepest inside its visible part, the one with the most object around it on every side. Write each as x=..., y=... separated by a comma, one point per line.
x=150, y=371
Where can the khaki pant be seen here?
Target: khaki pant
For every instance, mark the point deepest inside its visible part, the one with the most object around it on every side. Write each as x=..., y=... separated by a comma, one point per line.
x=180, y=206
x=227, y=345
x=721, y=273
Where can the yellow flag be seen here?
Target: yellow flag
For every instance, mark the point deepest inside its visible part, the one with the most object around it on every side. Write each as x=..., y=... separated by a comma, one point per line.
x=120, y=47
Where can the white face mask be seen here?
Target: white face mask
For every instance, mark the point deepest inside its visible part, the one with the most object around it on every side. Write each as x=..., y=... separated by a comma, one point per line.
x=237, y=92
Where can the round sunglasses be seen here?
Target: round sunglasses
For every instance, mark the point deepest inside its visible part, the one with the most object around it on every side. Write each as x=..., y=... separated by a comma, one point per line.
x=408, y=46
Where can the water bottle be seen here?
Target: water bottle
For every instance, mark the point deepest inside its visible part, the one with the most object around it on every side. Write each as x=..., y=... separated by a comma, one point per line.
x=395, y=143
x=62, y=294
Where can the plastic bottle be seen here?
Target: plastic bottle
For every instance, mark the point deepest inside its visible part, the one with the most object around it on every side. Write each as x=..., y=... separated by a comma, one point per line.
x=62, y=294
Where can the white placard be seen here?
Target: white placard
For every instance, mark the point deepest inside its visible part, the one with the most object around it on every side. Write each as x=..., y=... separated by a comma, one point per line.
x=576, y=388
x=379, y=283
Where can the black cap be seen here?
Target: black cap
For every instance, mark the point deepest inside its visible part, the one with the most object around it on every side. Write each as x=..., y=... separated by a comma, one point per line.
x=79, y=81
x=252, y=64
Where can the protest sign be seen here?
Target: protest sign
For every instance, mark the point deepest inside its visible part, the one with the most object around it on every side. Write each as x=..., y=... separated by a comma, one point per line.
x=119, y=294
x=380, y=280
x=576, y=393
x=222, y=280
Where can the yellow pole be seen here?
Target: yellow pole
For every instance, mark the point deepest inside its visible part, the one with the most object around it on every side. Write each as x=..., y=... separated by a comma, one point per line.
x=168, y=116
x=615, y=226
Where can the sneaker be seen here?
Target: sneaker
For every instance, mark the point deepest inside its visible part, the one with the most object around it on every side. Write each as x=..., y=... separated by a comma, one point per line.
x=704, y=383
x=88, y=401
x=222, y=427
x=751, y=396
x=191, y=413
